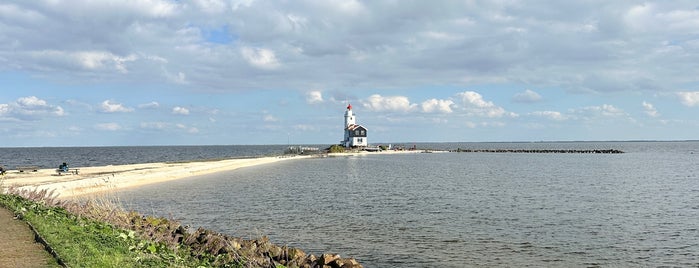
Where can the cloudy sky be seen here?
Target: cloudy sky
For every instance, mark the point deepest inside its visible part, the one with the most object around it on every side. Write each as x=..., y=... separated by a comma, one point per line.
x=159, y=72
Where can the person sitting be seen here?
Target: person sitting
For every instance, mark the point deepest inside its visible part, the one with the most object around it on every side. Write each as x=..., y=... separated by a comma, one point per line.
x=2, y=170
x=63, y=167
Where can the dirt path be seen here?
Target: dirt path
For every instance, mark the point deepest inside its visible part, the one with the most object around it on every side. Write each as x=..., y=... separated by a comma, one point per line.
x=17, y=245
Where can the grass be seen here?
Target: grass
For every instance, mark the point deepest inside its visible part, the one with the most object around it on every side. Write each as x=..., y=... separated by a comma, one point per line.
x=82, y=242
x=99, y=233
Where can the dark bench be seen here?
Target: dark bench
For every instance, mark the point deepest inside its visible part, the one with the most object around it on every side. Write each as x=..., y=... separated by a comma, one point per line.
x=32, y=168
x=73, y=171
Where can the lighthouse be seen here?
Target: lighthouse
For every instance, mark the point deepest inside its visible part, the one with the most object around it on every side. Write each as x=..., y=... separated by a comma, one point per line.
x=355, y=135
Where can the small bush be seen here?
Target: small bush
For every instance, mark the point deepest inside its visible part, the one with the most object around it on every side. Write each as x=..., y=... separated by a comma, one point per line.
x=336, y=149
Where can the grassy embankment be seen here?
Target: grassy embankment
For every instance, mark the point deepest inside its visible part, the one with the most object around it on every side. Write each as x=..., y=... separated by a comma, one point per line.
x=101, y=234
x=80, y=241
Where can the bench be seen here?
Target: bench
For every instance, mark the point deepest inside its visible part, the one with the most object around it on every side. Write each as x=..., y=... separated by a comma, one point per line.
x=73, y=171
x=32, y=168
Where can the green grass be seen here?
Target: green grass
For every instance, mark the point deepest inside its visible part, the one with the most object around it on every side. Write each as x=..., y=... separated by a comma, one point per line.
x=81, y=242
x=99, y=233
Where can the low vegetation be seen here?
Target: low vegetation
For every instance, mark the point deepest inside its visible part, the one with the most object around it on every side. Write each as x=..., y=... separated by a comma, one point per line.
x=336, y=149
x=100, y=234
x=80, y=241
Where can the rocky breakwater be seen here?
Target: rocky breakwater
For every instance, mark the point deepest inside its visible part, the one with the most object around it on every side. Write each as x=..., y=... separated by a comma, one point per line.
x=540, y=151
x=226, y=249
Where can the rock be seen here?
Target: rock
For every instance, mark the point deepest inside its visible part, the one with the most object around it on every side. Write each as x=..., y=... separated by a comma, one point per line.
x=275, y=252
x=327, y=258
x=312, y=258
x=296, y=254
x=351, y=263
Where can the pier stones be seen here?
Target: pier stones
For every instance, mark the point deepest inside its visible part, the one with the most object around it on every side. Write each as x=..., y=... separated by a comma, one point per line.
x=539, y=151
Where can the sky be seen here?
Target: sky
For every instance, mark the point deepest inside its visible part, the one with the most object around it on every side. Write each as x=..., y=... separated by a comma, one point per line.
x=222, y=72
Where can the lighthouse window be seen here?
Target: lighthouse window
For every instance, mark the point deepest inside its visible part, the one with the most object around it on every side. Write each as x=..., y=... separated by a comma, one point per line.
x=363, y=133
x=356, y=132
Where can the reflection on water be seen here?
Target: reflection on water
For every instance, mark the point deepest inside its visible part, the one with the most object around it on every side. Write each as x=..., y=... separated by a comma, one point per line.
x=458, y=209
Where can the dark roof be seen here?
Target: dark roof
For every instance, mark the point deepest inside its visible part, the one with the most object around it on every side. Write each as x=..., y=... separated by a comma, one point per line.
x=355, y=126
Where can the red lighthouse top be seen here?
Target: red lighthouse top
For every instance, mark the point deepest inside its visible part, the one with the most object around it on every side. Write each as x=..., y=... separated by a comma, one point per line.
x=349, y=107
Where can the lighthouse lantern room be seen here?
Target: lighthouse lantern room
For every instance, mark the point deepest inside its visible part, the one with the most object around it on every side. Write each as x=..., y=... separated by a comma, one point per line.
x=355, y=135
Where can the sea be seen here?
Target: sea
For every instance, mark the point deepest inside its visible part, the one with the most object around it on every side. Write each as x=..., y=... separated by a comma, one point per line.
x=636, y=209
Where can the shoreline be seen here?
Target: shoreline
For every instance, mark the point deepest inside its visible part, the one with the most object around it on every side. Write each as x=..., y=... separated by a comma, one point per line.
x=97, y=179
x=92, y=180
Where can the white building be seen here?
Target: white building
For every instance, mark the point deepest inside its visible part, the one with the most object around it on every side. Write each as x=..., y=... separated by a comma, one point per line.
x=355, y=135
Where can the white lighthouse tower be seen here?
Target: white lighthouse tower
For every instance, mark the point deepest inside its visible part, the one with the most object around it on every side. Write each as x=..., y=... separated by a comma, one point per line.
x=355, y=135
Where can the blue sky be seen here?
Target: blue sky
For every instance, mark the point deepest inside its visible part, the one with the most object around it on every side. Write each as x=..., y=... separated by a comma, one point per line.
x=156, y=72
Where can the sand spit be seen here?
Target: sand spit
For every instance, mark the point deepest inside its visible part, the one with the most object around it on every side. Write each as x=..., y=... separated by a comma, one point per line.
x=98, y=179
x=91, y=180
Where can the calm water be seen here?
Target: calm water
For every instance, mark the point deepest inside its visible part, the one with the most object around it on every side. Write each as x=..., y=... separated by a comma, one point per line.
x=460, y=209
x=50, y=157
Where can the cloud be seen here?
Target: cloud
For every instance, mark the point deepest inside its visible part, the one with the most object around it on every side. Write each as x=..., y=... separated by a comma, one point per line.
x=150, y=105
x=108, y=127
x=304, y=127
x=379, y=103
x=108, y=106
x=474, y=104
x=260, y=58
x=269, y=118
x=190, y=130
x=29, y=108
x=154, y=125
x=358, y=43
x=528, y=96
x=597, y=112
x=313, y=97
x=689, y=98
x=552, y=115
x=101, y=59
x=180, y=110
x=164, y=126
x=605, y=110
x=650, y=110
x=435, y=105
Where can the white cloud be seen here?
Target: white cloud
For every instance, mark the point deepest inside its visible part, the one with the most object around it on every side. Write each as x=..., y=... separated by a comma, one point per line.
x=150, y=105
x=190, y=130
x=304, y=127
x=29, y=108
x=98, y=59
x=380, y=103
x=211, y=6
x=650, y=110
x=108, y=126
x=474, y=104
x=689, y=98
x=597, y=112
x=527, y=96
x=154, y=125
x=313, y=97
x=180, y=110
x=493, y=124
x=260, y=58
x=164, y=126
x=435, y=105
x=269, y=118
x=606, y=110
x=180, y=78
x=87, y=60
x=108, y=106
x=552, y=115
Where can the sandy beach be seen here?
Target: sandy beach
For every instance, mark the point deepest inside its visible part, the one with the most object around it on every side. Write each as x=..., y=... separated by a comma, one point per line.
x=90, y=180
x=103, y=178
